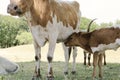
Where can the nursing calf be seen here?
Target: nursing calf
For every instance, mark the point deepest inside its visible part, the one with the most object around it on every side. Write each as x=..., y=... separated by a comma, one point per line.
x=96, y=42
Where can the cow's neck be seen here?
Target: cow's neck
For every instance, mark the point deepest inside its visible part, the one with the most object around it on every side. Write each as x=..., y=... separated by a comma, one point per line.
x=40, y=13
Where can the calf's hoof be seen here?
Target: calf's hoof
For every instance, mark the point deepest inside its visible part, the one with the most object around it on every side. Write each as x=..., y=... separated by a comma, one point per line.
x=105, y=64
x=89, y=64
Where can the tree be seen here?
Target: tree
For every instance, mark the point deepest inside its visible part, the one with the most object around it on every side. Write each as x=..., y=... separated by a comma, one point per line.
x=85, y=22
x=10, y=28
x=117, y=22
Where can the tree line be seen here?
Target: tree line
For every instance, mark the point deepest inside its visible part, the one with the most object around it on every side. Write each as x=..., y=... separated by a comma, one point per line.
x=15, y=31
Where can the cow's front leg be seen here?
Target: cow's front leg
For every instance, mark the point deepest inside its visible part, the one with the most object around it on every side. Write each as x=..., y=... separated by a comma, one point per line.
x=52, y=43
x=37, y=75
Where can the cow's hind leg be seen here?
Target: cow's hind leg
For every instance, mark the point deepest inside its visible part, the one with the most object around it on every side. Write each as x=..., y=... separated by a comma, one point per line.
x=37, y=75
x=74, y=63
x=66, y=54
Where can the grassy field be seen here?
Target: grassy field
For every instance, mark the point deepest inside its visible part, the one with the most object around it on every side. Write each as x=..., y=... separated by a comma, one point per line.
x=111, y=71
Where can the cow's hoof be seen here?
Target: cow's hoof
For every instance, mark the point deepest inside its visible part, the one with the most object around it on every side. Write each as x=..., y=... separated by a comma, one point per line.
x=89, y=64
x=66, y=77
x=73, y=75
x=36, y=78
x=50, y=78
x=73, y=72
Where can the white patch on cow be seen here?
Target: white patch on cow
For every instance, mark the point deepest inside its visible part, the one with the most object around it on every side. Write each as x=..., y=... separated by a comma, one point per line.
x=7, y=66
x=103, y=47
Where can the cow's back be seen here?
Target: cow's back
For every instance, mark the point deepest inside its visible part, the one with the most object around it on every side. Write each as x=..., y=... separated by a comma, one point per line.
x=66, y=12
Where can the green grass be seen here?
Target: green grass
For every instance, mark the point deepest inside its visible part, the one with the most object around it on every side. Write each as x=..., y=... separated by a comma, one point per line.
x=111, y=71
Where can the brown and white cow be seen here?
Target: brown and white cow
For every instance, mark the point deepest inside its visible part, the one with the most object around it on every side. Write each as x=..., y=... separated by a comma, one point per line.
x=96, y=42
x=49, y=20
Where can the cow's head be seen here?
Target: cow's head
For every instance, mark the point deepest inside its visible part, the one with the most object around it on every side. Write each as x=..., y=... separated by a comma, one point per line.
x=19, y=7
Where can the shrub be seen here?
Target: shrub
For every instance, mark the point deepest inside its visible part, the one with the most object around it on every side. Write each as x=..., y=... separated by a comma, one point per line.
x=24, y=38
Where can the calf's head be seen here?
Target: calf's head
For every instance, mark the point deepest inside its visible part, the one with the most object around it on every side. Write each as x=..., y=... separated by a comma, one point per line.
x=72, y=40
x=19, y=7
x=78, y=39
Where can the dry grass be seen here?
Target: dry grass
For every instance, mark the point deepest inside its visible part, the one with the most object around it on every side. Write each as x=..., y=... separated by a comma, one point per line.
x=26, y=53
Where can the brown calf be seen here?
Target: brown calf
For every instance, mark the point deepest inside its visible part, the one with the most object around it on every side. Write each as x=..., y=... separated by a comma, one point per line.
x=96, y=42
x=89, y=54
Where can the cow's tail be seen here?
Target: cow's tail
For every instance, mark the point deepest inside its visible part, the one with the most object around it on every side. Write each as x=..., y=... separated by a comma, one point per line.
x=69, y=52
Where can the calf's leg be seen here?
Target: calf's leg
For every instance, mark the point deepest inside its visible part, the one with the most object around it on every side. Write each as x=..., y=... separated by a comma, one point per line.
x=89, y=56
x=100, y=65
x=95, y=62
x=85, y=54
x=104, y=58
